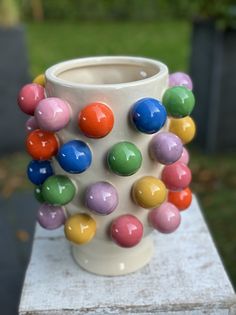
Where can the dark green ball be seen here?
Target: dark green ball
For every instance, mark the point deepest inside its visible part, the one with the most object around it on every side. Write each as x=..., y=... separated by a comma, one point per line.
x=179, y=101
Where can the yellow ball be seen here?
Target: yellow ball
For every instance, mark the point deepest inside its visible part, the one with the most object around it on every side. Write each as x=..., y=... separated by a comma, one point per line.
x=40, y=79
x=80, y=228
x=184, y=128
x=149, y=192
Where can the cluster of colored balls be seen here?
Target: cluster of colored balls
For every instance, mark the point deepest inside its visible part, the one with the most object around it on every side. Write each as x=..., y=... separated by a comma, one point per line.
x=164, y=198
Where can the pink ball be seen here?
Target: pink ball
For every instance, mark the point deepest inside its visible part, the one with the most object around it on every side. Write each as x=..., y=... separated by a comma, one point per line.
x=180, y=79
x=52, y=114
x=166, y=218
x=176, y=176
x=126, y=230
x=31, y=124
x=184, y=156
x=29, y=97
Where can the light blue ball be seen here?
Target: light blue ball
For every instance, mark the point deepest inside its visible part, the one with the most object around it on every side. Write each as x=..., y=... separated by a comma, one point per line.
x=74, y=156
x=148, y=115
x=39, y=171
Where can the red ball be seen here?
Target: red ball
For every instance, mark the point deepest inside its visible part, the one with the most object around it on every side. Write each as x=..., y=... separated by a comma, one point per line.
x=176, y=176
x=126, y=231
x=42, y=145
x=181, y=199
x=96, y=120
x=29, y=97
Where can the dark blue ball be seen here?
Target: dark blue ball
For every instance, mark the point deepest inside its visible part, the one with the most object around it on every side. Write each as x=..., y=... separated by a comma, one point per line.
x=39, y=171
x=74, y=156
x=148, y=115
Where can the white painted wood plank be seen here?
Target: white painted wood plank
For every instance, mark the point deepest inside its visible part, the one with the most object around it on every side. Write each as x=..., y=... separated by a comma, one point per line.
x=186, y=276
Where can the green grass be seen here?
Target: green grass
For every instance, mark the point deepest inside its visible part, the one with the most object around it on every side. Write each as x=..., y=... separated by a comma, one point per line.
x=214, y=177
x=50, y=43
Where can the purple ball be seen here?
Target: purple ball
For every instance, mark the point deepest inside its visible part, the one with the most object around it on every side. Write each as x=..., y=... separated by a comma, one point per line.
x=51, y=217
x=180, y=79
x=102, y=198
x=166, y=148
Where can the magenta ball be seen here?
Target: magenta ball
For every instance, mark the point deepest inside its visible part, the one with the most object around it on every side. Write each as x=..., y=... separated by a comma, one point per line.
x=51, y=217
x=166, y=147
x=180, y=79
x=52, y=114
x=126, y=230
x=31, y=124
x=102, y=198
x=166, y=218
x=184, y=156
x=29, y=97
x=176, y=176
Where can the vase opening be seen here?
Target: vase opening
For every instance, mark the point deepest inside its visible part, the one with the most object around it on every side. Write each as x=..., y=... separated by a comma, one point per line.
x=106, y=70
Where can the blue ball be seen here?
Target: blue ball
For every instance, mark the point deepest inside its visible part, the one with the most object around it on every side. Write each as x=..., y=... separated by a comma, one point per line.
x=39, y=171
x=74, y=156
x=148, y=115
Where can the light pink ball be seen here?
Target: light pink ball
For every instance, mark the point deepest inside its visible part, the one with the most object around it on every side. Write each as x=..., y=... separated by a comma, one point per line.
x=184, y=156
x=29, y=97
x=166, y=218
x=31, y=124
x=52, y=114
x=180, y=79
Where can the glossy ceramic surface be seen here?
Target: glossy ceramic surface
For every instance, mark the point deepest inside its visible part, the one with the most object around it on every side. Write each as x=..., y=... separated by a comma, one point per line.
x=39, y=171
x=181, y=199
x=180, y=79
x=29, y=97
x=184, y=128
x=120, y=150
x=176, y=176
x=51, y=217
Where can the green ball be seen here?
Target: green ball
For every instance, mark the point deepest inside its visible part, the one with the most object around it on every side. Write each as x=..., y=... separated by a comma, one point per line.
x=124, y=158
x=179, y=101
x=58, y=190
x=38, y=194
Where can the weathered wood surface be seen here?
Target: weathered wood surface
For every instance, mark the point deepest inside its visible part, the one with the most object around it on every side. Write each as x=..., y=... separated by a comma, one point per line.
x=186, y=276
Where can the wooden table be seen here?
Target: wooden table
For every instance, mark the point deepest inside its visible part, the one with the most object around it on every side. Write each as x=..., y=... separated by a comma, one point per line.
x=186, y=276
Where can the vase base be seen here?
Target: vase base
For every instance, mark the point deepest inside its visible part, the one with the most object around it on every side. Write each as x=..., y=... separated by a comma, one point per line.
x=112, y=260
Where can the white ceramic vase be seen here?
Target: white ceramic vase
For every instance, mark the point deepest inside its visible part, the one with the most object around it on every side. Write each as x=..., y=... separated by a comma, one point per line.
x=118, y=82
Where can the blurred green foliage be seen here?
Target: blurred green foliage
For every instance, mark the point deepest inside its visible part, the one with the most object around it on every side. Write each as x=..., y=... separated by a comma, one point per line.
x=129, y=9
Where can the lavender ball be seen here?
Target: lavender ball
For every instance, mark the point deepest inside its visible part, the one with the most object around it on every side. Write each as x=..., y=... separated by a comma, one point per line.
x=102, y=198
x=51, y=217
x=180, y=79
x=166, y=148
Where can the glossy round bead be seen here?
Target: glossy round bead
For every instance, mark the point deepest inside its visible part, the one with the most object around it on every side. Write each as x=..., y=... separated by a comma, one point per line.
x=51, y=217
x=176, y=176
x=179, y=101
x=40, y=79
x=166, y=218
x=124, y=158
x=149, y=192
x=80, y=228
x=96, y=120
x=184, y=128
x=126, y=230
x=39, y=171
x=181, y=199
x=166, y=147
x=41, y=145
x=148, y=115
x=58, y=190
x=184, y=156
x=74, y=156
x=29, y=97
x=180, y=79
x=38, y=194
x=102, y=198
x=52, y=114
x=31, y=124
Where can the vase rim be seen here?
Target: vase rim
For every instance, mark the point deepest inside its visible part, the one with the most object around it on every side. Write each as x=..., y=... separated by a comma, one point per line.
x=53, y=73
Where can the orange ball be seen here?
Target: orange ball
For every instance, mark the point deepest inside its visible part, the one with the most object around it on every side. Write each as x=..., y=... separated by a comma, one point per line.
x=96, y=120
x=42, y=145
x=181, y=199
